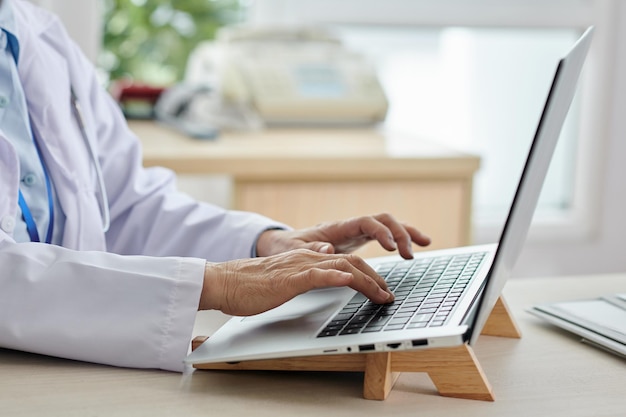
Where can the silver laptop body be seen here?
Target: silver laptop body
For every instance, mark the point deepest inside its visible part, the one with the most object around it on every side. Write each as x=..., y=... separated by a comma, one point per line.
x=327, y=321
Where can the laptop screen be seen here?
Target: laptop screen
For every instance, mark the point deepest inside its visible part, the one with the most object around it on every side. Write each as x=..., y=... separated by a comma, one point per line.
x=514, y=233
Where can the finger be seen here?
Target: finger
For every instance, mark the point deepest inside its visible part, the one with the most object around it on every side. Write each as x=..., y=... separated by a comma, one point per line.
x=404, y=235
x=372, y=228
x=417, y=236
x=357, y=281
x=351, y=264
x=405, y=246
x=365, y=279
x=389, y=233
x=399, y=233
x=320, y=247
x=314, y=278
x=368, y=286
x=368, y=271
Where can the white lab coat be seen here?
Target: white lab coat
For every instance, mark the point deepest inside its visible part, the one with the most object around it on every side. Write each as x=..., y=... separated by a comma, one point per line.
x=128, y=297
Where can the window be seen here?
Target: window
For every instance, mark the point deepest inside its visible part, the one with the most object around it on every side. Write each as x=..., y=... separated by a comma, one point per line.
x=478, y=90
x=149, y=40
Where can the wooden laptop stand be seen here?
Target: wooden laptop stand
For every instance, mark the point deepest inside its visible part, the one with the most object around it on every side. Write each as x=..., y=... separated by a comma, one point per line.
x=455, y=371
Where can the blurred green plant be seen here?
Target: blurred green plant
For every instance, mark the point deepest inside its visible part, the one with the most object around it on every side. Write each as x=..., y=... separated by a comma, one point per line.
x=149, y=40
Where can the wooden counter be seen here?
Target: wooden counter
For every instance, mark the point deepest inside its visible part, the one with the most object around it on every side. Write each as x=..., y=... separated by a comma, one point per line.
x=304, y=177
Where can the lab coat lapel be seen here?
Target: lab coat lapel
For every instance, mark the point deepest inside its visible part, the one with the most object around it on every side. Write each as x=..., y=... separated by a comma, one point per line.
x=62, y=147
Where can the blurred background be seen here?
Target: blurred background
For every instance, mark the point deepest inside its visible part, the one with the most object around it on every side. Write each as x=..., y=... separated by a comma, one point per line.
x=470, y=75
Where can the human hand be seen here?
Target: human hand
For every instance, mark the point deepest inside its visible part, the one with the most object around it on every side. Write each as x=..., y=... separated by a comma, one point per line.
x=345, y=236
x=250, y=286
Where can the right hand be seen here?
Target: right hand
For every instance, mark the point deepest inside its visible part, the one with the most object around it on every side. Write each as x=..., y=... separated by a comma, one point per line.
x=246, y=287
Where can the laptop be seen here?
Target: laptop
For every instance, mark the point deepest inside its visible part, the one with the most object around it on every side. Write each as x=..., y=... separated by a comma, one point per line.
x=442, y=298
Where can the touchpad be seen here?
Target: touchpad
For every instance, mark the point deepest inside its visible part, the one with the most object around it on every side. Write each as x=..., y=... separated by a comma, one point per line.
x=311, y=304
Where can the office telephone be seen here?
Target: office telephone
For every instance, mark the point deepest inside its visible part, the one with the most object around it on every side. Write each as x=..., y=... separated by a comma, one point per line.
x=287, y=76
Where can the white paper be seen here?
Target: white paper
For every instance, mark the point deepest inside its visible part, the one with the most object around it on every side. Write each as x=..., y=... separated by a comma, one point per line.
x=597, y=315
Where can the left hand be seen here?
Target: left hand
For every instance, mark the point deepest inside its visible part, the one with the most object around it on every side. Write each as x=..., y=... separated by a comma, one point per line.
x=345, y=236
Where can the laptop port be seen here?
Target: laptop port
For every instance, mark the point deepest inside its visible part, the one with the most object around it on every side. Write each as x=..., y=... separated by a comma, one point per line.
x=419, y=342
x=366, y=348
x=393, y=345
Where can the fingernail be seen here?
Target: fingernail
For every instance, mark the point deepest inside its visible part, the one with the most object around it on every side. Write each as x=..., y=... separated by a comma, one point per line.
x=385, y=296
x=325, y=249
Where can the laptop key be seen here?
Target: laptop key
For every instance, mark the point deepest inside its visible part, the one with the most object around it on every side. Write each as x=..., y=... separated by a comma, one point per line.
x=394, y=327
x=422, y=318
x=372, y=329
x=350, y=331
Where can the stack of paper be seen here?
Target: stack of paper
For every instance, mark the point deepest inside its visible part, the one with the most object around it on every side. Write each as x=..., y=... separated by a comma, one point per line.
x=601, y=321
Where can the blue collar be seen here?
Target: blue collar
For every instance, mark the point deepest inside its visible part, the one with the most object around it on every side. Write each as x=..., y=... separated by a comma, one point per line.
x=8, y=25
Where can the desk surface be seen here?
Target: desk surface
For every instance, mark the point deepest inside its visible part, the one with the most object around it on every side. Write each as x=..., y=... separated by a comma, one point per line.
x=302, y=153
x=546, y=373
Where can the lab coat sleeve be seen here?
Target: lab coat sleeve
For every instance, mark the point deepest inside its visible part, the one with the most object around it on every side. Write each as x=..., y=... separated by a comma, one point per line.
x=132, y=303
x=99, y=307
x=148, y=215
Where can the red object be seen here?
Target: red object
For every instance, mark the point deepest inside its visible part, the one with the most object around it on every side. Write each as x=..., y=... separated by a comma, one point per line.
x=136, y=100
x=128, y=90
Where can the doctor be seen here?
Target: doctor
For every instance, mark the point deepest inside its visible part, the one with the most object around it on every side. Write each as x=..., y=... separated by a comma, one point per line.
x=103, y=260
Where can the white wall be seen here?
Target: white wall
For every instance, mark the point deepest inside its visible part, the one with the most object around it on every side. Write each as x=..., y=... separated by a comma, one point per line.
x=83, y=20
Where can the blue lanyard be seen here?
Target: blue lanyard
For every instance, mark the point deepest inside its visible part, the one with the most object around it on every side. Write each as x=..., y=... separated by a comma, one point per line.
x=31, y=226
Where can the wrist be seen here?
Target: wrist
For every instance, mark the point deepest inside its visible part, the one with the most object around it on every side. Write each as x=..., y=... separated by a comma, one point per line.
x=212, y=287
x=266, y=241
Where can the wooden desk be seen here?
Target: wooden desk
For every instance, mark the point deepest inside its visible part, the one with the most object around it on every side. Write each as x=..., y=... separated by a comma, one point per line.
x=546, y=373
x=304, y=177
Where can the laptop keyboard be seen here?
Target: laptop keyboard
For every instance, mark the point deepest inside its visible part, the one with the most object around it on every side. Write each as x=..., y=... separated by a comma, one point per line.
x=426, y=291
